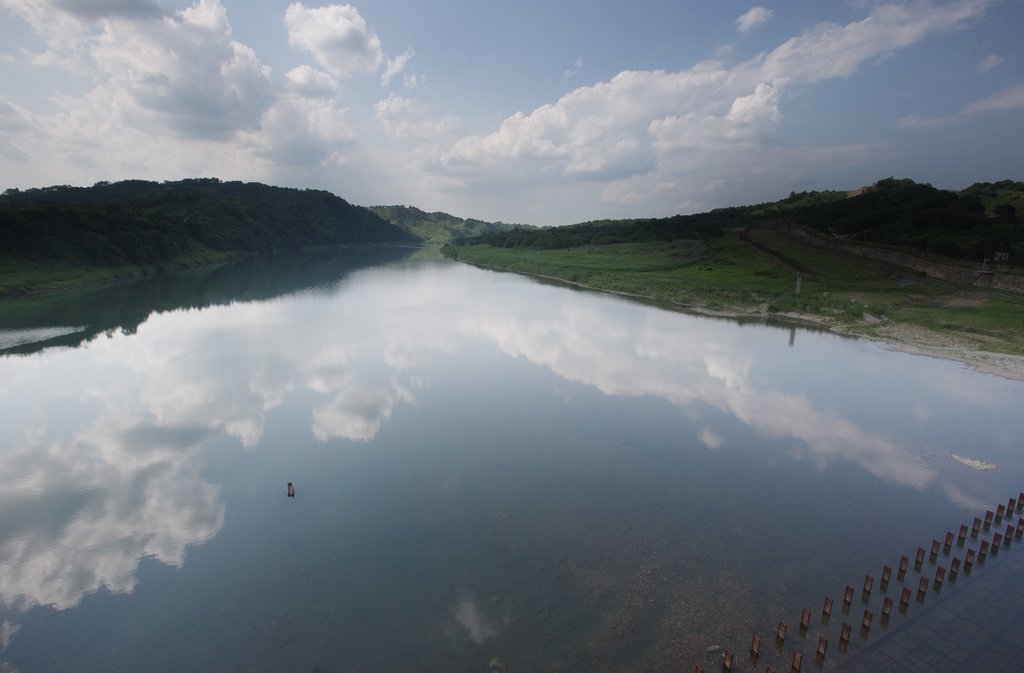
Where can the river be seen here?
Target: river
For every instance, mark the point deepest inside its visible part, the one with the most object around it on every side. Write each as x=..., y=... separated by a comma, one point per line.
x=491, y=473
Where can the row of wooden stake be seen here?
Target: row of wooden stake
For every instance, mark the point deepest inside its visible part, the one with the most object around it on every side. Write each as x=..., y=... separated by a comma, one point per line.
x=998, y=539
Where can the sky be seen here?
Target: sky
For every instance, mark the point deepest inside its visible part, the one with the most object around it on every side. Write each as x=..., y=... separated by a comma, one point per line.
x=543, y=112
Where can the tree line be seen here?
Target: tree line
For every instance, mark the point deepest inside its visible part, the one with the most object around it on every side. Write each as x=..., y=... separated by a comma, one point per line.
x=149, y=223
x=974, y=224
x=606, y=232
x=904, y=214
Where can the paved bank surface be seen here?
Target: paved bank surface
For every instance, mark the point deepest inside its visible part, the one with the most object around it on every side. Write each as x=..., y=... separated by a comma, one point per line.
x=977, y=626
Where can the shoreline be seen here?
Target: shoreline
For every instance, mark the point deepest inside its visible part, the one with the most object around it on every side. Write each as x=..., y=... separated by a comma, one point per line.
x=900, y=337
x=918, y=341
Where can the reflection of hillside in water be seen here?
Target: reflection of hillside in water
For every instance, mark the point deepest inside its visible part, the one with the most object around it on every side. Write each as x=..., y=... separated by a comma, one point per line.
x=109, y=472
x=26, y=325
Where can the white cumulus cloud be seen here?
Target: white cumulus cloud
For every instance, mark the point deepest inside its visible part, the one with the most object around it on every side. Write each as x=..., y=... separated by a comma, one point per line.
x=337, y=36
x=753, y=18
x=340, y=40
x=302, y=130
x=307, y=81
x=656, y=125
x=183, y=73
x=179, y=73
x=156, y=92
x=407, y=119
x=395, y=66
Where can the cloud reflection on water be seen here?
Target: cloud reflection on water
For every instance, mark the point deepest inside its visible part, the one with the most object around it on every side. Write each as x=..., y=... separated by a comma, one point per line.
x=77, y=515
x=479, y=627
x=353, y=413
x=684, y=361
x=113, y=476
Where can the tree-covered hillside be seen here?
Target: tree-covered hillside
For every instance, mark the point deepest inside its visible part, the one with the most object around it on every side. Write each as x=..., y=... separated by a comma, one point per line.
x=975, y=224
x=606, y=232
x=145, y=223
x=436, y=227
x=919, y=217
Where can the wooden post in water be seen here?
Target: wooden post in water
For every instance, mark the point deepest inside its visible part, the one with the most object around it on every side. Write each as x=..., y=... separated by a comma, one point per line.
x=963, y=535
x=805, y=619
x=887, y=607
x=798, y=661
x=940, y=575
x=919, y=559
x=949, y=541
x=935, y=549
x=988, y=519
x=848, y=595
x=1008, y=536
x=954, y=569
x=1000, y=511
x=975, y=527
x=904, y=562
x=997, y=540
x=869, y=582
x=827, y=608
x=727, y=661
x=886, y=574
x=780, y=633
x=922, y=586
x=822, y=646
x=982, y=551
x=905, y=597
x=755, y=647
x=1020, y=528
x=866, y=621
x=969, y=561
x=844, y=636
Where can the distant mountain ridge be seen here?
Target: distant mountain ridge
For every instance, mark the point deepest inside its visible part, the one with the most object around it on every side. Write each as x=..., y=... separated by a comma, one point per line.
x=438, y=227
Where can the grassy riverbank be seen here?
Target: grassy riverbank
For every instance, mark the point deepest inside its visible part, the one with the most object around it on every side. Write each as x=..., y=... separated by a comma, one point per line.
x=756, y=275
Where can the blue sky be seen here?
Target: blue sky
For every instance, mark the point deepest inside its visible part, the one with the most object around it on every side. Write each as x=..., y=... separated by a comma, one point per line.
x=539, y=112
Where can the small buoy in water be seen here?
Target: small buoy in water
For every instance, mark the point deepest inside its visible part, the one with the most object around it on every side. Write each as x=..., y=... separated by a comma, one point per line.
x=291, y=490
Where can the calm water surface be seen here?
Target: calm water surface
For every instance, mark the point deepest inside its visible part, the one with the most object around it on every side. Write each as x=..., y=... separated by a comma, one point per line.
x=491, y=473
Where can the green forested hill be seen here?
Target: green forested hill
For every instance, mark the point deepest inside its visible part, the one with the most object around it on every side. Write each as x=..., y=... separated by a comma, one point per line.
x=436, y=227
x=149, y=223
x=974, y=224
